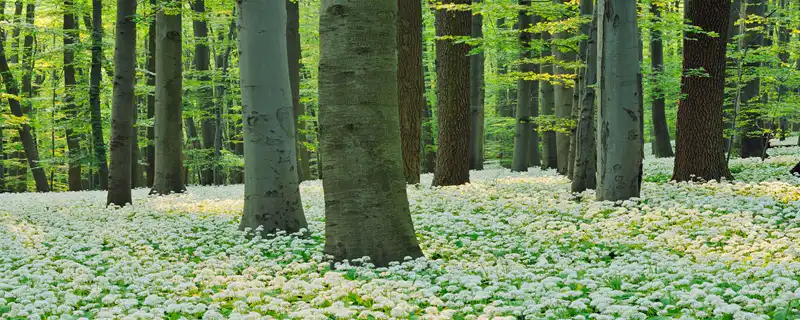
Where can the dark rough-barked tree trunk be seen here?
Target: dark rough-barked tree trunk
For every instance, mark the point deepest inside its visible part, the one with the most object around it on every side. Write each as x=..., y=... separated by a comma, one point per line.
x=202, y=60
x=271, y=184
x=523, y=126
x=119, y=181
x=73, y=140
x=366, y=206
x=476, y=97
x=452, y=74
x=169, y=97
x=752, y=137
x=584, y=175
x=295, y=54
x=150, y=150
x=94, y=93
x=24, y=130
x=410, y=84
x=700, y=149
x=662, y=144
x=549, y=152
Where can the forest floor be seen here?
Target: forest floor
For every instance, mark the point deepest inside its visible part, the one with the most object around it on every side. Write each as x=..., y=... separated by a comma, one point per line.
x=506, y=246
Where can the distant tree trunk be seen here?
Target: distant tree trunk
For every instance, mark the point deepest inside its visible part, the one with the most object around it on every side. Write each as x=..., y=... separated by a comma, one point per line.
x=169, y=93
x=21, y=171
x=523, y=127
x=293, y=43
x=271, y=185
x=700, y=150
x=15, y=34
x=73, y=141
x=476, y=97
x=505, y=108
x=752, y=139
x=223, y=64
x=619, y=117
x=534, y=157
x=411, y=85
x=150, y=150
x=366, y=204
x=663, y=147
x=119, y=184
x=584, y=174
x=428, y=143
x=204, y=93
x=549, y=152
x=94, y=92
x=25, y=136
x=2, y=162
x=452, y=74
x=562, y=97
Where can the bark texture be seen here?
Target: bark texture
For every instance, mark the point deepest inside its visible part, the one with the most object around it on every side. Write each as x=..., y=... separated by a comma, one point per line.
x=73, y=141
x=168, y=103
x=411, y=85
x=700, y=150
x=119, y=187
x=452, y=74
x=366, y=204
x=94, y=93
x=295, y=55
x=584, y=176
x=476, y=97
x=523, y=126
x=619, y=149
x=271, y=185
x=150, y=150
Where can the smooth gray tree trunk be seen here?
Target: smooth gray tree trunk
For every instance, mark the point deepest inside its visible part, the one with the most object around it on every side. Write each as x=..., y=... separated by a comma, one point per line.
x=169, y=97
x=523, y=127
x=584, y=174
x=619, y=133
x=476, y=97
x=271, y=185
x=295, y=55
x=366, y=206
x=119, y=187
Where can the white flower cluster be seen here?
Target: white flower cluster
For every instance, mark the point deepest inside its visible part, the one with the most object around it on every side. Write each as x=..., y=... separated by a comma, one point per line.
x=506, y=246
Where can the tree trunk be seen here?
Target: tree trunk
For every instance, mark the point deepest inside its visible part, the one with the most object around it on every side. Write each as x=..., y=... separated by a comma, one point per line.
x=150, y=150
x=534, y=157
x=271, y=186
x=476, y=97
x=169, y=93
x=523, y=126
x=700, y=150
x=293, y=43
x=619, y=118
x=411, y=85
x=94, y=92
x=223, y=63
x=504, y=107
x=663, y=147
x=73, y=141
x=584, y=174
x=562, y=96
x=752, y=137
x=366, y=205
x=119, y=182
x=25, y=136
x=549, y=152
x=428, y=143
x=204, y=93
x=452, y=74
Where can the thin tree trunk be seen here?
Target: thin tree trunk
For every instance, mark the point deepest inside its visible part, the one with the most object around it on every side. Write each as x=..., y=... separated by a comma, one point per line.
x=119, y=187
x=534, y=157
x=428, y=143
x=271, y=186
x=150, y=150
x=523, y=127
x=366, y=204
x=452, y=74
x=549, y=152
x=222, y=63
x=411, y=85
x=562, y=97
x=476, y=97
x=14, y=54
x=73, y=141
x=584, y=174
x=293, y=46
x=619, y=134
x=169, y=94
x=752, y=137
x=202, y=60
x=94, y=92
x=663, y=147
x=700, y=150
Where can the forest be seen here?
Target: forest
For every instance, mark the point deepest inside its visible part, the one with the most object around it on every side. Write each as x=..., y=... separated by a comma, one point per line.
x=400, y=159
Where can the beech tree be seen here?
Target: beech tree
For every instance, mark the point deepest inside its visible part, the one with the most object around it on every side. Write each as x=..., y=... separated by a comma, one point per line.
x=366, y=206
x=584, y=174
x=524, y=126
x=411, y=85
x=476, y=96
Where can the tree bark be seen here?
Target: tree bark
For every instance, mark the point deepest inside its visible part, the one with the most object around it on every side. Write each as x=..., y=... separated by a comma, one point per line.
x=150, y=150
x=452, y=74
x=700, y=150
x=366, y=204
x=549, y=152
x=584, y=174
x=411, y=85
x=663, y=147
x=169, y=93
x=119, y=182
x=14, y=55
x=752, y=137
x=271, y=185
x=562, y=96
x=293, y=43
x=476, y=97
x=523, y=126
x=202, y=60
x=223, y=64
x=94, y=92
x=73, y=141
x=619, y=118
